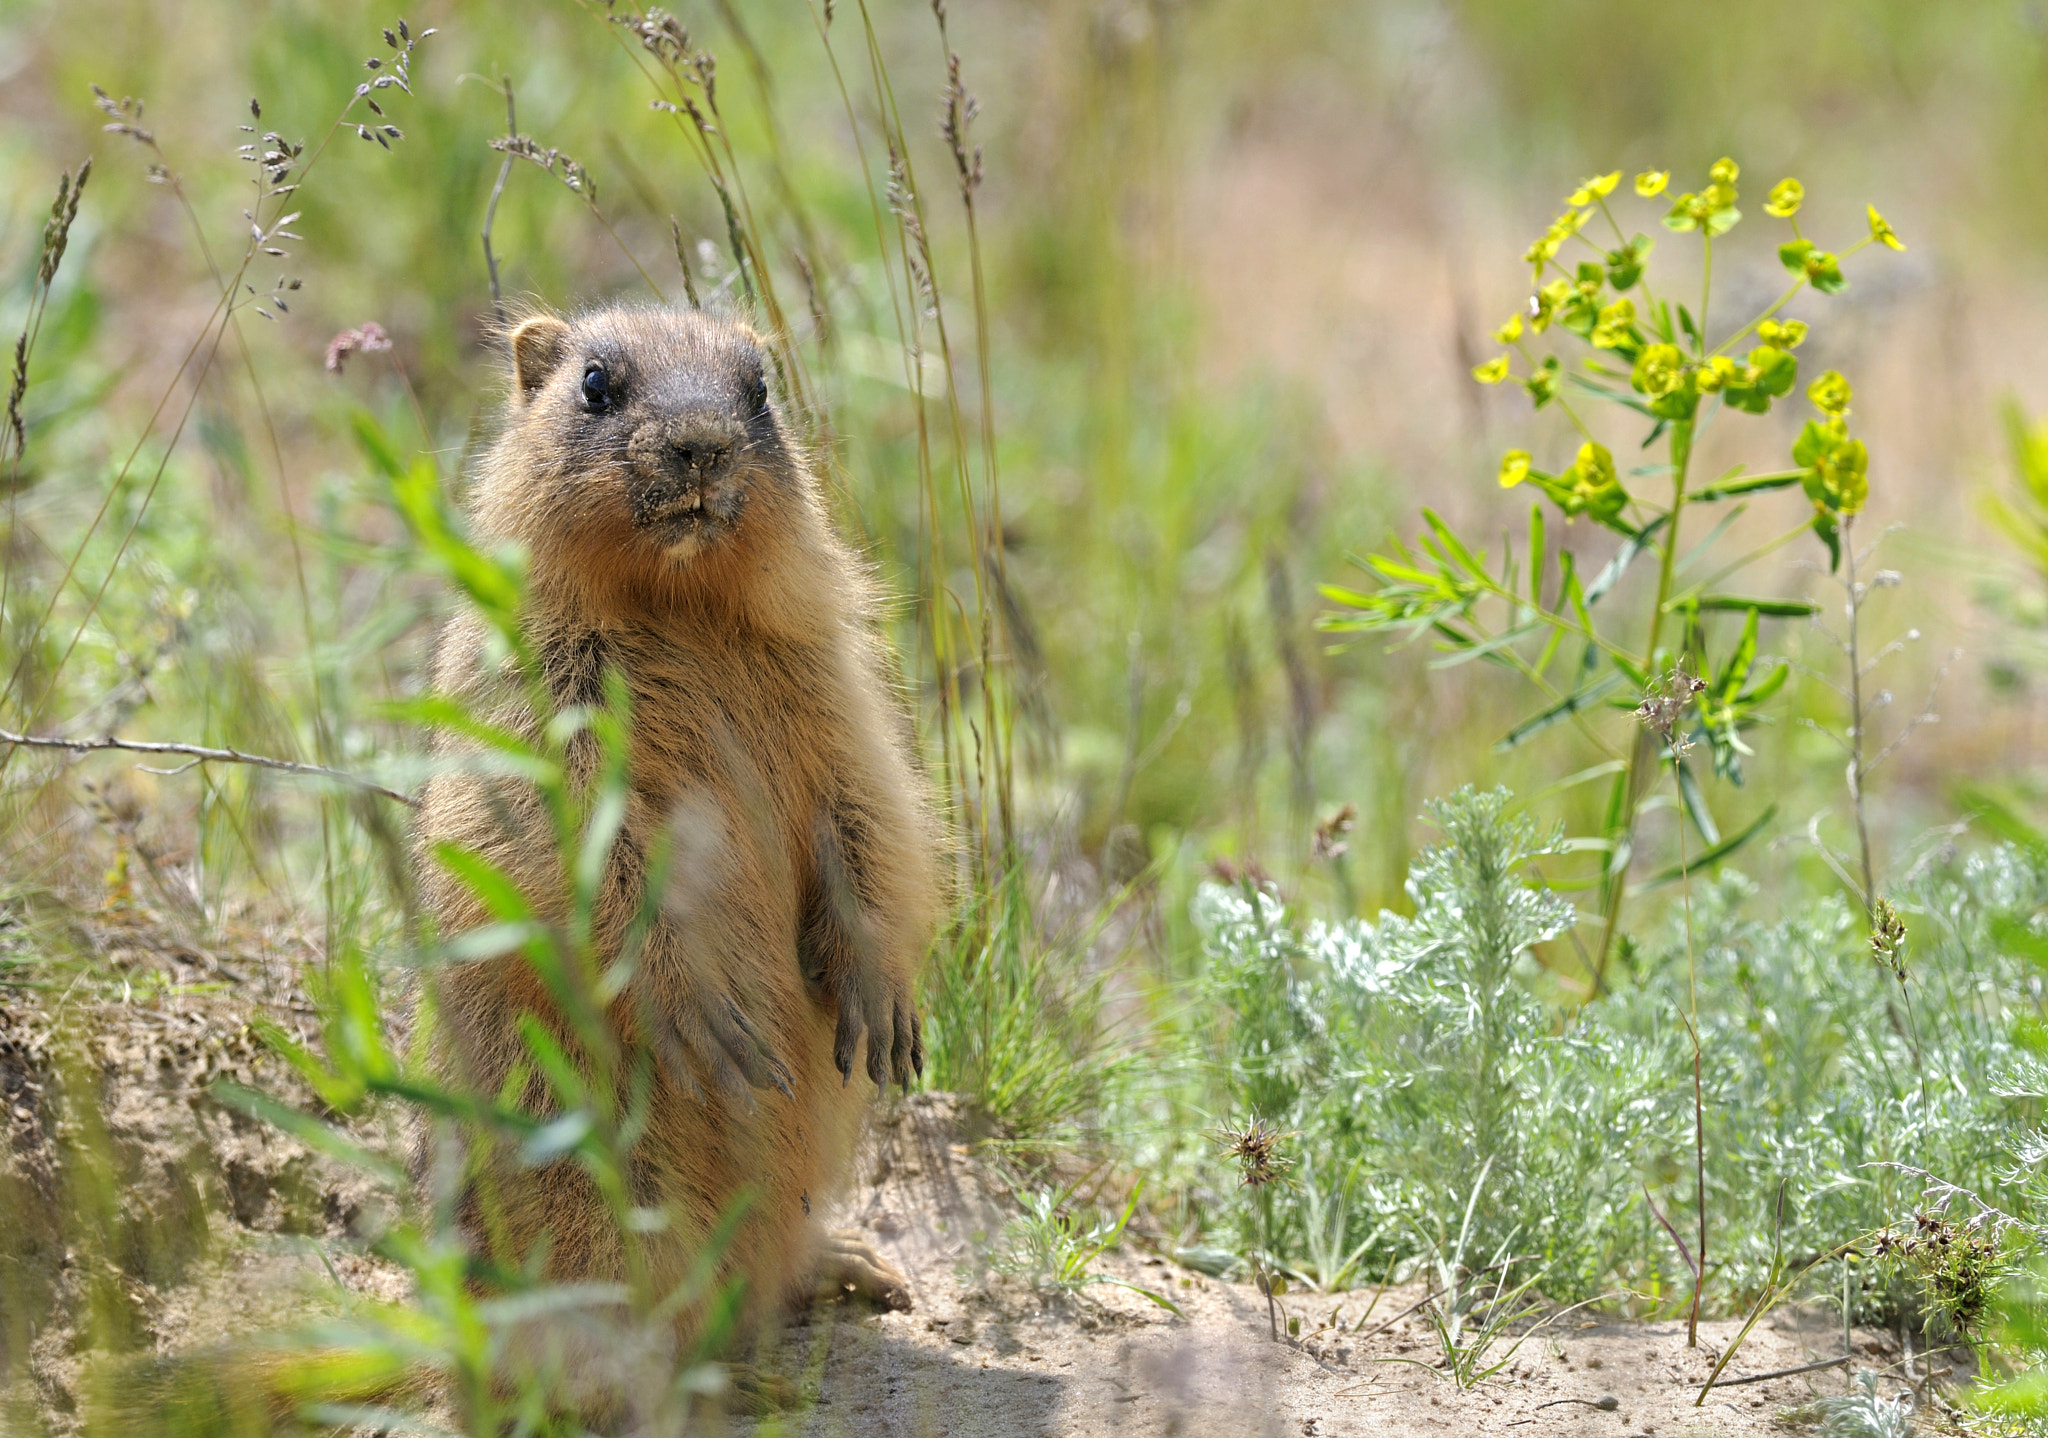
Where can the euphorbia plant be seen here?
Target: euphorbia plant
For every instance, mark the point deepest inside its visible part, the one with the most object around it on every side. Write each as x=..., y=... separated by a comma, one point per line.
x=1661, y=360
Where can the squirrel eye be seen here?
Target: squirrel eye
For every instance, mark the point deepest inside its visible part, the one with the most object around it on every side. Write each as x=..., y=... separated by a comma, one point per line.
x=757, y=396
x=596, y=388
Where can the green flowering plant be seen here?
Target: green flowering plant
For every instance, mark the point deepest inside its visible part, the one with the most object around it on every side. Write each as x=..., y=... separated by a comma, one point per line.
x=1649, y=355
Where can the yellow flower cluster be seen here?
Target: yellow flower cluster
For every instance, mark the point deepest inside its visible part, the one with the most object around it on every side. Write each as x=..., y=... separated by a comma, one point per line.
x=1662, y=350
x=1712, y=209
x=1837, y=477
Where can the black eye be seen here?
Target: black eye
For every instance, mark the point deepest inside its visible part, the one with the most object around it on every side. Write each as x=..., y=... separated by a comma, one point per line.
x=757, y=395
x=597, y=392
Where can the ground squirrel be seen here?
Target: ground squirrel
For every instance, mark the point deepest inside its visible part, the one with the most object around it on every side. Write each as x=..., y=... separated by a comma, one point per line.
x=676, y=536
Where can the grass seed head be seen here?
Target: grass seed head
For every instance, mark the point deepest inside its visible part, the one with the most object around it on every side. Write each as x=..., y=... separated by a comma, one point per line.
x=1888, y=939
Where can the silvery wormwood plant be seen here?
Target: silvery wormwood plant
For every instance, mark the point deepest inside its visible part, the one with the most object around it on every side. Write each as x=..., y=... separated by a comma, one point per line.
x=1658, y=359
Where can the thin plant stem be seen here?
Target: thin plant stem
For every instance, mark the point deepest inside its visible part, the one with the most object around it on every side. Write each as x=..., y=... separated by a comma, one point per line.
x=1629, y=786
x=491, y=209
x=1855, y=614
x=1699, y=1109
x=196, y=754
x=1706, y=289
x=1782, y=300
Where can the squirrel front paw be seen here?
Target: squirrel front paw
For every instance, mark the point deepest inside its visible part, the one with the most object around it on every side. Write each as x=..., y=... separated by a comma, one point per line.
x=712, y=1034
x=886, y=1013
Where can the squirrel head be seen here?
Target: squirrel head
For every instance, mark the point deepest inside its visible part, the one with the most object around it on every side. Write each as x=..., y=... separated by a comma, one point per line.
x=638, y=440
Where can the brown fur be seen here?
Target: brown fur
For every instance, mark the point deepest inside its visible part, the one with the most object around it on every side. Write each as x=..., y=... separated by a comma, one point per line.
x=676, y=536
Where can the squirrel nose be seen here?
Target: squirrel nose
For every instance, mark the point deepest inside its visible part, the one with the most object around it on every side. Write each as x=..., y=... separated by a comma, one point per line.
x=700, y=452
x=694, y=451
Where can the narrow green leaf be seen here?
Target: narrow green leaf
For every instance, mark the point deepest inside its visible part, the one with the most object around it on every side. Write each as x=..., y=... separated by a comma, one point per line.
x=1550, y=648
x=1728, y=488
x=1735, y=673
x=437, y=711
x=1163, y=1302
x=1454, y=546
x=1767, y=686
x=1999, y=819
x=307, y=1130
x=491, y=941
x=1485, y=649
x=1607, y=578
x=376, y=444
x=338, y=1091
x=1572, y=781
x=1769, y=608
x=555, y=1138
x=1568, y=569
x=1557, y=713
x=1714, y=855
x=1696, y=804
x=561, y=1075
x=607, y=817
x=495, y=889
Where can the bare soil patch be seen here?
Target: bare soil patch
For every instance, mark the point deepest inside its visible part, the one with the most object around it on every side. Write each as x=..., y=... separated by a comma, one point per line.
x=980, y=1358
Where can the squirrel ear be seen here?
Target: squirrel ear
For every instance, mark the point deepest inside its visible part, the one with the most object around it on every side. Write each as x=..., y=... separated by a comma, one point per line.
x=537, y=347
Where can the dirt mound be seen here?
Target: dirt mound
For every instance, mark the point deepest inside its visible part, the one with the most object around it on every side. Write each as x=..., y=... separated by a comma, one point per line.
x=138, y=1215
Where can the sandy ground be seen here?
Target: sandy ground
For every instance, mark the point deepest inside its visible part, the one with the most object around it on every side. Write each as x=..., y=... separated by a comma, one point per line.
x=982, y=1358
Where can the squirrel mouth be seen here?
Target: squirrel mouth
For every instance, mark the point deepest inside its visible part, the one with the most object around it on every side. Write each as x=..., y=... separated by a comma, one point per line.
x=685, y=507
x=674, y=512
x=666, y=504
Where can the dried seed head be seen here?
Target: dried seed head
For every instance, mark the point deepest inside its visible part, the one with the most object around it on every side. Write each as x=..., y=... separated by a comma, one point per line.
x=1665, y=703
x=660, y=34
x=562, y=166
x=1255, y=1144
x=56, y=236
x=960, y=113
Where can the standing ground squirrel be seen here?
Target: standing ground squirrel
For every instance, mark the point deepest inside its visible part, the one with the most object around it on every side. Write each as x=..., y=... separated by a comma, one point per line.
x=676, y=537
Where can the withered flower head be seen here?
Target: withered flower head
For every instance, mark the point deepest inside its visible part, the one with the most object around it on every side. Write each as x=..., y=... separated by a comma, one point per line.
x=1255, y=1145
x=1665, y=703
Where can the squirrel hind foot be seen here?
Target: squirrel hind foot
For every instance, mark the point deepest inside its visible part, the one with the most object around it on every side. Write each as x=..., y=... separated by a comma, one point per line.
x=847, y=1263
